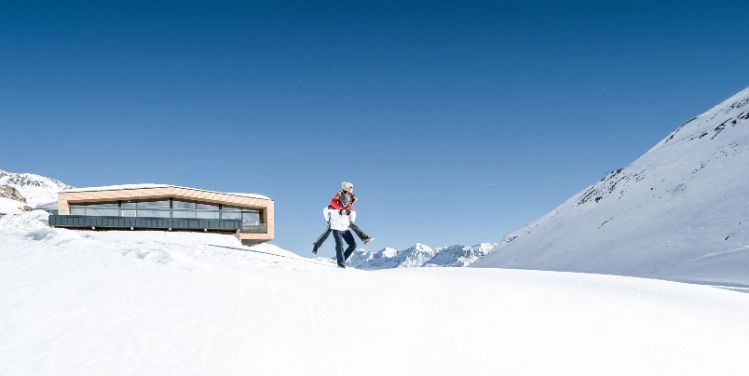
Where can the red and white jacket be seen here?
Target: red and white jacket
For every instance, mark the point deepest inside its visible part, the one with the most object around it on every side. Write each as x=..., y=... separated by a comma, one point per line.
x=340, y=218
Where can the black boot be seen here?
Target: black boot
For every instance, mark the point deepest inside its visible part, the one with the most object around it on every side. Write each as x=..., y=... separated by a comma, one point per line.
x=366, y=239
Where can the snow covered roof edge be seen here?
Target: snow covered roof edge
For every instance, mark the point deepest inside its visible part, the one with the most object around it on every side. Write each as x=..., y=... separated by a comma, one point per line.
x=120, y=187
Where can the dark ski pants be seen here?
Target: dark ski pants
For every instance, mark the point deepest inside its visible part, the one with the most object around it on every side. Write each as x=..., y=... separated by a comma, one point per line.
x=339, y=237
x=359, y=232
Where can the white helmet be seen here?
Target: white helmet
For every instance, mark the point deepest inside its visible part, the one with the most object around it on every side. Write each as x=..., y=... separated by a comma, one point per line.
x=346, y=186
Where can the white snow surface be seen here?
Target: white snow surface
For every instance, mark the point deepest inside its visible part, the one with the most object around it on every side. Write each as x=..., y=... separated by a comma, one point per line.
x=118, y=187
x=679, y=212
x=36, y=189
x=155, y=303
x=8, y=206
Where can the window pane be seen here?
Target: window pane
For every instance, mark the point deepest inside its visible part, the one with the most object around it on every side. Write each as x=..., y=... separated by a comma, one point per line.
x=163, y=204
x=111, y=205
x=230, y=209
x=77, y=210
x=128, y=204
x=207, y=214
x=183, y=214
x=231, y=215
x=149, y=213
x=183, y=205
x=207, y=207
x=250, y=218
x=102, y=212
x=128, y=213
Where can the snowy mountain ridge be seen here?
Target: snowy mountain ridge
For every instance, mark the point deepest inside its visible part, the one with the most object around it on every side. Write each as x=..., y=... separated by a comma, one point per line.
x=420, y=255
x=680, y=211
x=35, y=189
x=709, y=126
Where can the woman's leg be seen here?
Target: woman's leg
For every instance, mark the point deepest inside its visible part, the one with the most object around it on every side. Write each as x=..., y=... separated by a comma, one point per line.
x=318, y=243
x=359, y=232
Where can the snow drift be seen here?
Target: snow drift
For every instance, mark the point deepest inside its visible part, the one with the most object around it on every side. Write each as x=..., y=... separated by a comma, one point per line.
x=8, y=206
x=680, y=212
x=125, y=303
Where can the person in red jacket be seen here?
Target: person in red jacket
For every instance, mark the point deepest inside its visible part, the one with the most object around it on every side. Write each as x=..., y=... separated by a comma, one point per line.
x=344, y=202
x=340, y=216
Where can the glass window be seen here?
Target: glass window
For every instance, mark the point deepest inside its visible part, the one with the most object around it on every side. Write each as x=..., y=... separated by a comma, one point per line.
x=102, y=212
x=161, y=209
x=103, y=205
x=207, y=211
x=207, y=207
x=162, y=204
x=183, y=214
x=207, y=214
x=250, y=218
x=151, y=213
x=104, y=209
x=183, y=205
x=231, y=215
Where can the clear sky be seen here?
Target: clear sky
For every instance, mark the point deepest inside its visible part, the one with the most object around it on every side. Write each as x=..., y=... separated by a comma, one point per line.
x=458, y=122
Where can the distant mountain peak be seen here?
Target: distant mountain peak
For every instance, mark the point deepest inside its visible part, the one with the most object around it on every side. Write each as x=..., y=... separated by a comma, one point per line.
x=420, y=255
x=35, y=189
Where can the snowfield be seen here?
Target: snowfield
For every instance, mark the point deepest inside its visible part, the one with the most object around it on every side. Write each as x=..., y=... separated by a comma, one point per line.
x=154, y=303
x=8, y=206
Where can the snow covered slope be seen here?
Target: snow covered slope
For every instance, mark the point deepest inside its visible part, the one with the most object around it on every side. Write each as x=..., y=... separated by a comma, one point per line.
x=35, y=189
x=681, y=211
x=155, y=303
x=420, y=255
x=8, y=206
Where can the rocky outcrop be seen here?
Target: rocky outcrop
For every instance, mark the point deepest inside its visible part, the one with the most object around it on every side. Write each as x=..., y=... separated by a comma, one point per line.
x=12, y=193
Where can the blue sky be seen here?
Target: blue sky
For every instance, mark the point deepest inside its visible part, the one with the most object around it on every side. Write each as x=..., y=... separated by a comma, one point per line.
x=457, y=121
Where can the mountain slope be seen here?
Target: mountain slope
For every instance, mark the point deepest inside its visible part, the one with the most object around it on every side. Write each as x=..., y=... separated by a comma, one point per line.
x=681, y=211
x=35, y=189
x=177, y=303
